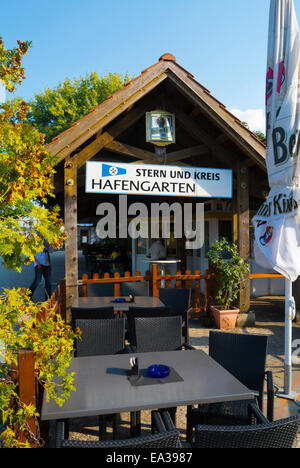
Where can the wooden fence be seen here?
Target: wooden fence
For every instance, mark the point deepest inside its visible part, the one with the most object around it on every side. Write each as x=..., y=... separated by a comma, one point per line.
x=116, y=279
x=179, y=280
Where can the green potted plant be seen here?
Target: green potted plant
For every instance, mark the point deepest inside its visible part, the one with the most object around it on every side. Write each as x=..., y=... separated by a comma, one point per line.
x=229, y=270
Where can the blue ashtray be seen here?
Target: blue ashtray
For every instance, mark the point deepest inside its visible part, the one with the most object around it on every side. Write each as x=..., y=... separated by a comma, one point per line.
x=120, y=299
x=158, y=371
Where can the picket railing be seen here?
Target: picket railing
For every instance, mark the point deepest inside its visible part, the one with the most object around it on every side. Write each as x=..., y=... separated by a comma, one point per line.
x=178, y=280
x=117, y=279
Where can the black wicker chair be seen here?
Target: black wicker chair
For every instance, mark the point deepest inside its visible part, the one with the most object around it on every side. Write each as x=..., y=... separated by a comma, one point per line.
x=100, y=337
x=161, y=437
x=179, y=301
x=159, y=334
x=244, y=356
x=100, y=289
x=154, y=334
x=91, y=313
x=135, y=312
x=264, y=434
x=135, y=288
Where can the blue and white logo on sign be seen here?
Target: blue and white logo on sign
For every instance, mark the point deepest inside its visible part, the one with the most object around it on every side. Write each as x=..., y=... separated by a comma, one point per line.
x=108, y=170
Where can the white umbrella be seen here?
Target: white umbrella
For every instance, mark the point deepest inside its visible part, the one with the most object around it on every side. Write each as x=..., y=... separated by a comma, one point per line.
x=277, y=222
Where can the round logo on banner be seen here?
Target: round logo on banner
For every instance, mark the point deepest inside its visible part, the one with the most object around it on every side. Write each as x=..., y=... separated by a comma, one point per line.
x=113, y=170
x=267, y=236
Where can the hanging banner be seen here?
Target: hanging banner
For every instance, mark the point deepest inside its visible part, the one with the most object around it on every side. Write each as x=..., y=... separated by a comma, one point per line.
x=143, y=179
x=277, y=222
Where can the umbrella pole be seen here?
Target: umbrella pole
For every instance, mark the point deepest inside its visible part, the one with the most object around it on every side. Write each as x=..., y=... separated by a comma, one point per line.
x=288, y=338
x=288, y=393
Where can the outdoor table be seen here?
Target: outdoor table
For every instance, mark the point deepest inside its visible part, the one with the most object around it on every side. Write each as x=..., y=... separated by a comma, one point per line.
x=139, y=301
x=103, y=387
x=162, y=264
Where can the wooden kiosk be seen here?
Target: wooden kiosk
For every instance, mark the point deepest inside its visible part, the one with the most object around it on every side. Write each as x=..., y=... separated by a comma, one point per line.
x=207, y=135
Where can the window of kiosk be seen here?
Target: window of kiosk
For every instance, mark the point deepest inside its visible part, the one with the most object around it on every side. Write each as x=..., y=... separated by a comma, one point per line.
x=141, y=246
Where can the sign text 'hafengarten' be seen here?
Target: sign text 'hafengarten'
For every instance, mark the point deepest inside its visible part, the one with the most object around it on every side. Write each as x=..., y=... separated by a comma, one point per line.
x=157, y=180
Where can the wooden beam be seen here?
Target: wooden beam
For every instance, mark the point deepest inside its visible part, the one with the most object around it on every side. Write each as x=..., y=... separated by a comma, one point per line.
x=195, y=112
x=27, y=389
x=71, y=252
x=128, y=150
x=217, y=112
x=156, y=161
x=113, y=132
x=243, y=230
x=187, y=153
x=222, y=138
x=199, y=134
x=235, y=218
x=68, y=141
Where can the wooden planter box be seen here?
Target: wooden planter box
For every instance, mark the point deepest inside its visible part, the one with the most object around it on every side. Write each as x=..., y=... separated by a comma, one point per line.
x=225, y=319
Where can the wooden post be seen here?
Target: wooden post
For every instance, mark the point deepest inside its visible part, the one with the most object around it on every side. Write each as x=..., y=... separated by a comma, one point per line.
x=168, y=282
x=117, y=287
x=71, y=253
x=154, y=281
x=27, y=387
x=243, y=230
x=85, y=277
x=235, y=219
x=178, y=282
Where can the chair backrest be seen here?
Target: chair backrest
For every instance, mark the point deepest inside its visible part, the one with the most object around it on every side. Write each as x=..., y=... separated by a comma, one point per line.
x=278, y=434
x=177, y=299
x=135, y=312
x=244, y=356
x=100, y=289
x=135, y=288
x=92, y=313
x=158, y=334
x=100, y=336
x=166, y=438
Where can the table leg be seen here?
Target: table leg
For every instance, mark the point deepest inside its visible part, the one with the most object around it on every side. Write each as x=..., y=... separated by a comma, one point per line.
x=163, y=272
x=135, y=424
x=102, y=427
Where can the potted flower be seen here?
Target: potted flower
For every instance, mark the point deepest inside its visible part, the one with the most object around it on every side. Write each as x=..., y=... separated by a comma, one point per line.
x=229, y=270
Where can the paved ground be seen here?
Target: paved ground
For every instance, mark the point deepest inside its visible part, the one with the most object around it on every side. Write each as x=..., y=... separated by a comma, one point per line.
x=269, y=320
x=13, y=279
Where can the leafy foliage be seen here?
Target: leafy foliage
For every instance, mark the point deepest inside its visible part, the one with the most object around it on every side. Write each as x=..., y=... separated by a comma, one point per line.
x=55, y=110
x=26, y=171
x=259, y=135
x=11, y=71
x=24, y=324
x=228, y=274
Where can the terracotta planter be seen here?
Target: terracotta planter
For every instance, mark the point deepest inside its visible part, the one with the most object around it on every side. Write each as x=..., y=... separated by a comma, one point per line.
x=225, y=319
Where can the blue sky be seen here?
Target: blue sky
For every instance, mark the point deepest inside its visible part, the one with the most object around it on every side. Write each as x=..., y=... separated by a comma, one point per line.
x=223, y=43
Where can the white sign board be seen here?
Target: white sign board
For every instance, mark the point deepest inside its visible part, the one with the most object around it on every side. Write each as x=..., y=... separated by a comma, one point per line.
x=143, y=179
